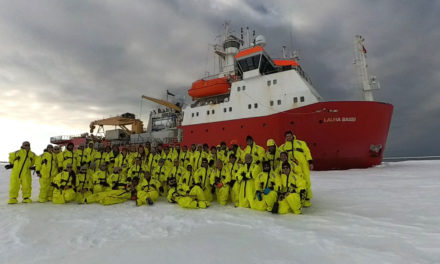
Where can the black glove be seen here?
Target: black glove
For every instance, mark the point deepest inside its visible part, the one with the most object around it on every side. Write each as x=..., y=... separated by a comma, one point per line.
x=243, y=174
x=39, y=174
x=32, y=168
x=60, y=169
x=9, y=166
x=258, y=162
x=44, y=161
x=161, y=189
x=231, y=183
x=213, y=189
x=259, y=197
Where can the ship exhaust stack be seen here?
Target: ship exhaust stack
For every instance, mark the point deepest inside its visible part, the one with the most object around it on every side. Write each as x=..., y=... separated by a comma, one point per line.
x=367, y=83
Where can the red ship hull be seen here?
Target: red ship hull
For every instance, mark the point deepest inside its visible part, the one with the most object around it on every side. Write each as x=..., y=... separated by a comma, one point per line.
x=340, y=135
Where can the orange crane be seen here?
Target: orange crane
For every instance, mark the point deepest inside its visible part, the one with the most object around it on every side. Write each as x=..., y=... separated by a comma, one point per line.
x=137, y=126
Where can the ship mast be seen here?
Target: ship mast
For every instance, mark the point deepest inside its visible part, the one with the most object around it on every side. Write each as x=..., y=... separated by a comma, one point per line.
x=367, y=83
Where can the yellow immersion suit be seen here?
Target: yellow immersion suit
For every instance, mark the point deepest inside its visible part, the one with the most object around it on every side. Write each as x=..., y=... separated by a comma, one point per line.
x=118, y=191
x=98, y=159
x=81, y=158
x=265, y=196
x=220, y=179
x=289, y=193
x=147, y=189
x=136, y=171
x=160, y=173
x=22, y=161
x=64, y=158
x=202, y=185
x=181, y=195
x=258, y=153
x=234, y=184
x=63, y=184
x=47, y=170
x=185, y=158
x=153, y=161
x=274, y=159
x=84, y=186
x=197, y=158
x=245, y=177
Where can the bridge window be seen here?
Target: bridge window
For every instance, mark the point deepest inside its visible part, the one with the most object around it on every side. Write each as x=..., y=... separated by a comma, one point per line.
x=250, y=63
x=302, y=98
x=266, y=66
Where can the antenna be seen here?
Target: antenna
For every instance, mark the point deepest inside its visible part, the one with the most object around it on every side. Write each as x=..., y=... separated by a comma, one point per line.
x=366, y=83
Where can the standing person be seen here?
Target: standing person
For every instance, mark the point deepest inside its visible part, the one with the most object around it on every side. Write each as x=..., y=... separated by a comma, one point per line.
x=255, y=150
x=83, y=185
x=198, y=156
x=233, y=167
x=201, y=189
x=21, y=162
x=89, y=151
x=67, y=157
x=185, y=157
x=122, y=162
x=81, y=156
x=245, y=177
x=272, y=154
x=46, y=170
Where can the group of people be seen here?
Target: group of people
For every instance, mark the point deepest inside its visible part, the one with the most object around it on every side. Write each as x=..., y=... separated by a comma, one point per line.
x=275, y=180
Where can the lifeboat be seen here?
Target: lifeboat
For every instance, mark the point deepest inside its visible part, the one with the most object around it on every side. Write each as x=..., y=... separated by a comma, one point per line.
x=206, y=88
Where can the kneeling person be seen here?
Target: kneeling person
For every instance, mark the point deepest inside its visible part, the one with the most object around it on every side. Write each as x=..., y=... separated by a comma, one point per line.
x=63, y=184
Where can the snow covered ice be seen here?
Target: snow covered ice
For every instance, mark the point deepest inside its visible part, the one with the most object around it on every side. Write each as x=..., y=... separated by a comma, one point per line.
x=386, y=214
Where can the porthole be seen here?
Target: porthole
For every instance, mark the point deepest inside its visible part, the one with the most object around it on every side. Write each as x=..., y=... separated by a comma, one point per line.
x=291, y=122
x=206, y=130
x=242, y=126
x=264, y=124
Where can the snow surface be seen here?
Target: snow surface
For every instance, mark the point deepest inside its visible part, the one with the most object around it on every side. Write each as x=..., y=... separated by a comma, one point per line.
x=387, y=214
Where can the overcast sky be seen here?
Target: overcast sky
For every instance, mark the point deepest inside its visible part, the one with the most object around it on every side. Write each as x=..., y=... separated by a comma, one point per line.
x=65, y=63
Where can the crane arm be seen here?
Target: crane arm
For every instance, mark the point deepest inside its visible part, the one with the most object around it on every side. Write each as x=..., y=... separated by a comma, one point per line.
x=163, y=102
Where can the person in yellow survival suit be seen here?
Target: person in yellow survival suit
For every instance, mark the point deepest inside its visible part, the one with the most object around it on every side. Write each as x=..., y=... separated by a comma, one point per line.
x=245, y=177
x=83, y=185
x=147, y=190
x=119, y=190
x=290, y=188
x=220, y=179
x=66, y=157
x=64, y=183
x=255, y=150
x=46, y=170
x=180, y=192
x=21, y=163
x=202, y=184
x=265, y=195
x=233, y=166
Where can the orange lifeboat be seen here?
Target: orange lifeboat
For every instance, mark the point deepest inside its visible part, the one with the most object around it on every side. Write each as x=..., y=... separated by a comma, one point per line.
x=205, y=88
